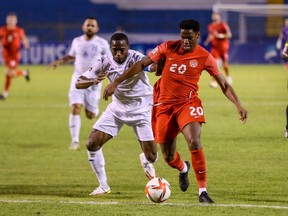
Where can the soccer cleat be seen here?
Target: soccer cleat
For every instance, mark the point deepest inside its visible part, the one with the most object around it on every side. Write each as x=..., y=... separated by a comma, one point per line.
x=183, y=178
x=74, y=146
x=213, y=84
x=2, y=97
x=148, y=167
x=286, y=133
x=100, y=191
x=204, y=198
x=27, y=76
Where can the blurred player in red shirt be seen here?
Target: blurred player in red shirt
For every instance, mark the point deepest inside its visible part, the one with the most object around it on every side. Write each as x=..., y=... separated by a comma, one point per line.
x=176, y=105
x=218, y=35
x=11, y=37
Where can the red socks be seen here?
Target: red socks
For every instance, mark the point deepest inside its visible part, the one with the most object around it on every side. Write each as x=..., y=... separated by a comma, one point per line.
x=176, y=163
x=7, y=83
x=199, y=166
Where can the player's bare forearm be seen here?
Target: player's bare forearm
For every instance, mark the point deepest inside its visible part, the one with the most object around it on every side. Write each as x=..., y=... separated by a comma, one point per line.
x=84, y=82
x=65, y=59
x=133, y=70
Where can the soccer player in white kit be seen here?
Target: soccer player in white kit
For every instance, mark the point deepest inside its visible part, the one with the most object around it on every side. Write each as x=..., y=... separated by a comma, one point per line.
x=85, y=50
x=131, y=105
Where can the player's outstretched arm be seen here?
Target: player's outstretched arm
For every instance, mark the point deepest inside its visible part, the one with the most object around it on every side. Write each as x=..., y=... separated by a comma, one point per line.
x=231, y=95
x=133, y=70
x=84, y=82
x=65, y=59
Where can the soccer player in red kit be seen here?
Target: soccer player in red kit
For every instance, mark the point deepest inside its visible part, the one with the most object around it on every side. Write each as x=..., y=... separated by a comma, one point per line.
x=177, y=107
x=11, y=37
x=218, y=35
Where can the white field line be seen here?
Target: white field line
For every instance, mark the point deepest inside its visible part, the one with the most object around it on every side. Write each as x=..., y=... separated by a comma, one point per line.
x=141, y=203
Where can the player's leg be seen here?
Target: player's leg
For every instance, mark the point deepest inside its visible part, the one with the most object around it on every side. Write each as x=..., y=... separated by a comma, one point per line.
x=9, y=73
x=215, y=54
x=173, y=159
x=75, y=126
x=92, y=99
x=163, y=125
x=225, y=60
x=192, y=133
x=141, y=124
x=106, y=127
x=148, y=157
x=96, y=159
x=76, y=101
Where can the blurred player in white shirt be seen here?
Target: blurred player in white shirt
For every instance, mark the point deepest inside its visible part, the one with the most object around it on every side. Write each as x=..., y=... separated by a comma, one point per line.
x=85, y=50
x=131, y=105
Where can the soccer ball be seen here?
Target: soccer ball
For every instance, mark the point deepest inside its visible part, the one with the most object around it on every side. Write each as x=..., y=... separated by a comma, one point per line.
x=158, y=190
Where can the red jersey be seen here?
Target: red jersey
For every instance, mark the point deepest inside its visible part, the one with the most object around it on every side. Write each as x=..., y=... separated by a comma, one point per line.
x=11, y=40
x=181, y=73
x=220, y=28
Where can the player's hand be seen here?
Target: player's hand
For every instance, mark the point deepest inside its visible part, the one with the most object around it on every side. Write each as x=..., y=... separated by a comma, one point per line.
x=243, y=113
x=220, y=36
x=101, y=76
x=109, y=90
x=53, y=65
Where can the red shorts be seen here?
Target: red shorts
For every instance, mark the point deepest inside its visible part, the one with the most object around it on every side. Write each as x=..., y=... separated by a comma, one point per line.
x=168, y=120
x=11, y=61
x=220, y=53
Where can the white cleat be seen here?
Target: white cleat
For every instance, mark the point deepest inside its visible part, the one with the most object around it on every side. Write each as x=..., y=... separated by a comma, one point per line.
x=213, y=84
x=286, y=133
x=229, y=80
x=100, y=191
x=74, y=146
x=147, y=166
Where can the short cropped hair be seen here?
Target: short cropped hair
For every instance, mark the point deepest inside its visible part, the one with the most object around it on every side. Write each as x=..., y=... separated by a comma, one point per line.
x=91, y=18
x=119, y=36
x=190, y=24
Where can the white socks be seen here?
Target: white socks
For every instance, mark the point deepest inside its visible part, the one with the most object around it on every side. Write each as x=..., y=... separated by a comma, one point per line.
x=74, y=126
x=201, y=190
x=185, y=169
x=97, y=162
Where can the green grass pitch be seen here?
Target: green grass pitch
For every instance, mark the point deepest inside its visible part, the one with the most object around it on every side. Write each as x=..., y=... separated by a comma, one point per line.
x=247, y=164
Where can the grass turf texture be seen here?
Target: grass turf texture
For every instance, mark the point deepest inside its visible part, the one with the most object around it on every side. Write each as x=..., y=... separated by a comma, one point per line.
x=247, y=163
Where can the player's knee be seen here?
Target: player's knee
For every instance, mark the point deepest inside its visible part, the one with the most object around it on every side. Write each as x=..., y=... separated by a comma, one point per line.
x=195, y=144
x=152, y=157
x=92, y=145
x=89, y=115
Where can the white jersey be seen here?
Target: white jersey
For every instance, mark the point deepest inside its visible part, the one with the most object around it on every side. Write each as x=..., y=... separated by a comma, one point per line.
x=133, y=95
x=86, y=52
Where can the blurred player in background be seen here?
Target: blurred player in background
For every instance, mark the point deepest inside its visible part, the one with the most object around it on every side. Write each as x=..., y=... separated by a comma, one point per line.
x=11, y=37
x=131, y=105
x=177, y=107
x=85, y=50
x=285, y=57
x=282, y=39
x=218, y=35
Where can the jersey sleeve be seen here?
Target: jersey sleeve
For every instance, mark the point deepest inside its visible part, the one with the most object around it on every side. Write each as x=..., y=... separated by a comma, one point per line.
x=158, y=52
x=72, y=51
x=95, y=70
x=211, y=66
x=21, y=33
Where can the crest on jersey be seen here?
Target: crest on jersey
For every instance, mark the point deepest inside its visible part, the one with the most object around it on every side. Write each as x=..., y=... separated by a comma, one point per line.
x=193, y=63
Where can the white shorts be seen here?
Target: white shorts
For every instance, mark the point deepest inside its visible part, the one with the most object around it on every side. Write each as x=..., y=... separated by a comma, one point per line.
x=111, y=123
x=89, y=97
